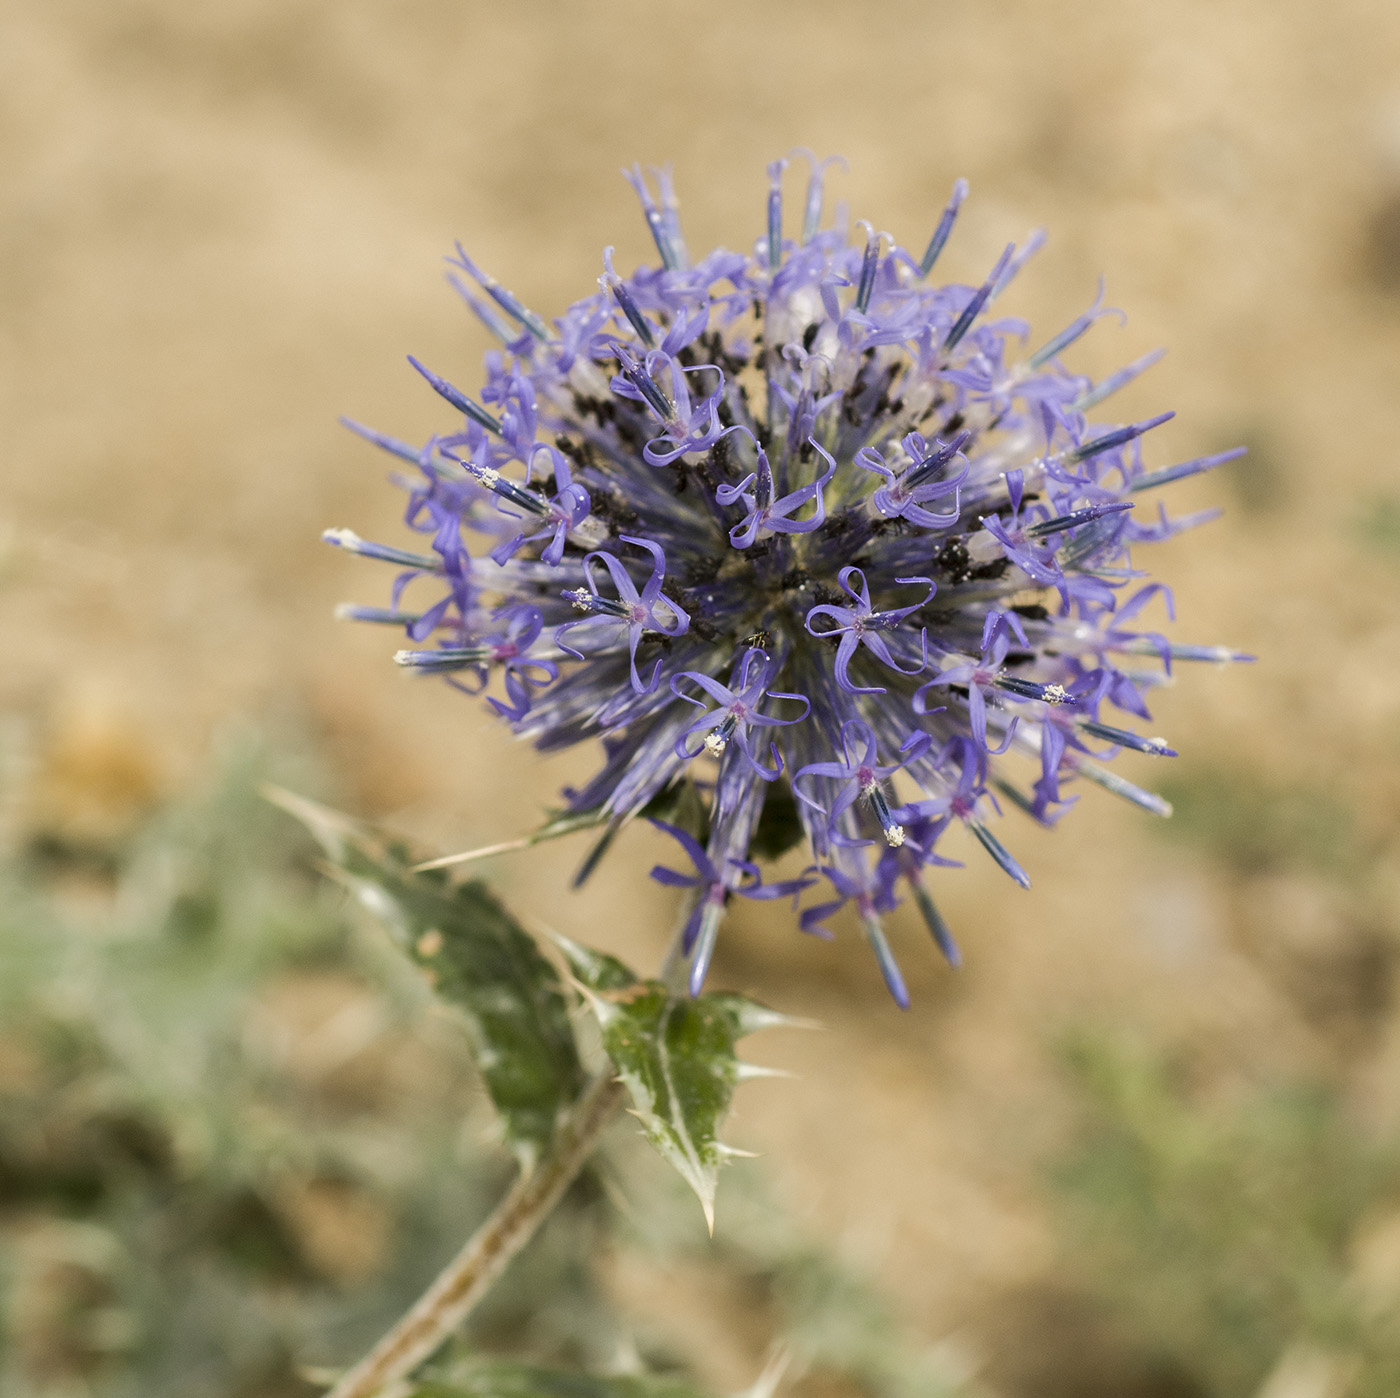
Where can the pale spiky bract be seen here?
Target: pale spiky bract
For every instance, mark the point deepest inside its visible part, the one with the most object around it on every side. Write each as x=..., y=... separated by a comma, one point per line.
x=806, y=527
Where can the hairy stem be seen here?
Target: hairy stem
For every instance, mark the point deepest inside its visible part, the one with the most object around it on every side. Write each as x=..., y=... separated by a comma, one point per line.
x=467, y=1278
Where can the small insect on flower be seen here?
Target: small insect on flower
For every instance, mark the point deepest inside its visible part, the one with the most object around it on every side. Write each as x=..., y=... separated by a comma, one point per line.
x=810, y=522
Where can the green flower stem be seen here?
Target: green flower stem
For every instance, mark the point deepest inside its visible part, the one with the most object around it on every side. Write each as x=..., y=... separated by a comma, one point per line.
x=467, y=1278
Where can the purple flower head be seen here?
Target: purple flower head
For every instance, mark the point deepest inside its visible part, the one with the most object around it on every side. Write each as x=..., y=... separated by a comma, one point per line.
x=826, y=548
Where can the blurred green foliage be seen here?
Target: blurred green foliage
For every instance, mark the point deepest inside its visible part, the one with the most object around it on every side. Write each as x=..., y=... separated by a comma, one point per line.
x=237, y=1139
x=1234, y=1232
x=1253, y=824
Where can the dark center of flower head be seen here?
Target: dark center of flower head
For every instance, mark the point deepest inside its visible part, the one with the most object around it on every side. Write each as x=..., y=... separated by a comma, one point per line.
x=806, y=517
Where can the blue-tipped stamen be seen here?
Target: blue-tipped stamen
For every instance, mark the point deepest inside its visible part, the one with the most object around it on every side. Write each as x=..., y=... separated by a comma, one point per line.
x=506, y=300
x=656, y=220
x=1091, y=398
x=457, y=398
x=868, y=266
x=511, y=491
x=392, y=445
x=889, y=967
x=351, y=542
x=379, y=616
x=1120, y=786
x=447, y=659
x=1210, y=655
x=1075, y=518
x=999, y=852
x=775, y=214
x=1029, y=689
x=583, y=600
x=487, y=315
x=1070, y=333
x=1016, y=796
x=1150, y=480
x=1117, y=438
x=816, y=190
x=979, y=299
x=717, y=739
x=934, y=921
x=617, y=288
x=894, y=831
x=1156, y=747
x=671, y=217
x=934, y=463
x=945, y=227
x=706, y=935
x=1033, y=244
x=643, y=382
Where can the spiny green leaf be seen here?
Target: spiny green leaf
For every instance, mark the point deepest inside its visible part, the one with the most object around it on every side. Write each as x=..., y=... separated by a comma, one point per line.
x=595, y=970
x=676, y=1056
x=505, y=1379
x=478, y=959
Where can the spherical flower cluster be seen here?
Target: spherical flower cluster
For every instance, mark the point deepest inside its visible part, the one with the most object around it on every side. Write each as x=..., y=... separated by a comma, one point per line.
x=802, y=532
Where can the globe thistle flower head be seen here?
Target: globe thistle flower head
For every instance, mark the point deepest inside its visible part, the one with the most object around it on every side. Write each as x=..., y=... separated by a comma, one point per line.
x=808, y=542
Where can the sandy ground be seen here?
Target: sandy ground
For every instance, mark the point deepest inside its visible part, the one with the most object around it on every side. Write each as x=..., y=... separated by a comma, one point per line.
x=221, y=225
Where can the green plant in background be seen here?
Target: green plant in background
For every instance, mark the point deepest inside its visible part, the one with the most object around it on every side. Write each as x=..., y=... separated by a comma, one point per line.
x=233, y=1145
x=1251, y=1234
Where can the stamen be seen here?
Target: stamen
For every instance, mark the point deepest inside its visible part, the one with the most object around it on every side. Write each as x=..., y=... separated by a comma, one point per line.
x=999, y=852
x=889, y=967
x=1157, y=747
x=974, y=307
x=1152, y=479
x=816, y=184
x=706, y=934
x=611, y=282
x=933, y=919
x=671, y=216
x=351, y=542
x=940, y=458
x=499, y=327
x=506, y=300
x=506, y=488
x=894, y=831
x=1118, y=437
x=386, y=443
x=656, y=221
x=775, y=214
x=448, y=658
x=945, y=227
x=1120, y=786
x=382, y=616
x=643, y=382
x=1029, y=689
x=585, y=601
x=718, y=739
x=1015, y=795
x=1075, y=518
x=458, y=399
x=1071, y=332
x=868, y=266
x=1094, y=396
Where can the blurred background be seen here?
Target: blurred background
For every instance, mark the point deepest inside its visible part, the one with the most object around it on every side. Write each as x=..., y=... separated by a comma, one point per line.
x=1144, y=1144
